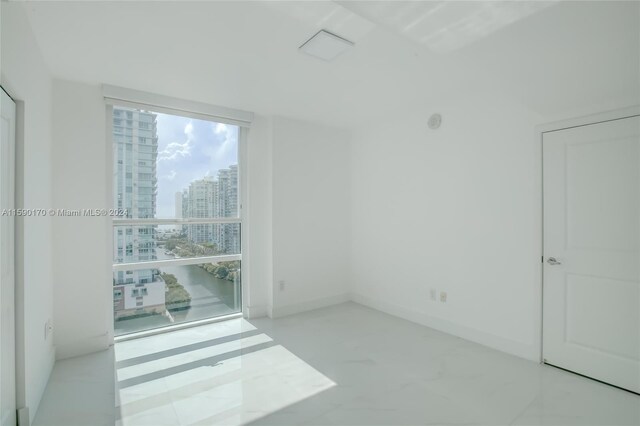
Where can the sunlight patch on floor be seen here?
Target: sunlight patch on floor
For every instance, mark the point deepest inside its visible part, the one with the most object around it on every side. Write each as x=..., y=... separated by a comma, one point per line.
x=226, y=379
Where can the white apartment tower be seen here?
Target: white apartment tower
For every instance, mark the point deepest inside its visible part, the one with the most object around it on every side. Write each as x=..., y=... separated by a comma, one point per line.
x=229, y=234
x=135, y=189
x=202, y=202
x=209, y=198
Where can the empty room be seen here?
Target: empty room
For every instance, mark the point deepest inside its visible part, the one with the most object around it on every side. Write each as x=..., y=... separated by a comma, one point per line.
x=319, y=213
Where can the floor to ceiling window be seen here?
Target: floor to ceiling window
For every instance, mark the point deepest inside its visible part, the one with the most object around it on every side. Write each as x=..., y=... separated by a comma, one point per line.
x=176, y=234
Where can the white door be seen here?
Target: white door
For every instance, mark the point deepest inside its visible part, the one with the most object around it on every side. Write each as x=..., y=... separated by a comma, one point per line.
x=591, y=294
x=7, y=286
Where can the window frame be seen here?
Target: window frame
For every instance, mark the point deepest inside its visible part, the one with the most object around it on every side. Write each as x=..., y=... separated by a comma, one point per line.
x=120, y=97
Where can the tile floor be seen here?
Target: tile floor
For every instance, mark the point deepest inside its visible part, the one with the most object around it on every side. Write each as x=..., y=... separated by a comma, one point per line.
x=343, y=365
x=80, y=392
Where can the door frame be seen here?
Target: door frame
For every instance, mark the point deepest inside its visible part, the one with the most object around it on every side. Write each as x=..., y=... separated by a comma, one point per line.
x=540, y=130
x=10, y=175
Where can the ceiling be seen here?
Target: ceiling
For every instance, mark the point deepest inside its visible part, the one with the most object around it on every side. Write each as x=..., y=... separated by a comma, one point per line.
x=547, y=56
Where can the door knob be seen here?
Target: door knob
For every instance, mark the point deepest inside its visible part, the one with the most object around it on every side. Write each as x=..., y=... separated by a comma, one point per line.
x=553, y=261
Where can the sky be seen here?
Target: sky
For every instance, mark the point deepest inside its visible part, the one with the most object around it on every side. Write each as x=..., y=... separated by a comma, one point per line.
x=190, y=149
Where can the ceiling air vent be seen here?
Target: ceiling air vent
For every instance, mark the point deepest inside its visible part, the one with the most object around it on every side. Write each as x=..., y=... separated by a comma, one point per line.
x=325, y=45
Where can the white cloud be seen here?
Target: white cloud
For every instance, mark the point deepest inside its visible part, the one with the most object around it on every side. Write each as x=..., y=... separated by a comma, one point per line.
x=176, y=150
x=227, y=137
x=171, y=175
x=220, y=128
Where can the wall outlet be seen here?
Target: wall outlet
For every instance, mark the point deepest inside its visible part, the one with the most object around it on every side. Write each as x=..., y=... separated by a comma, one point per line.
x=281, y=284
x=48, y=329
x=443, y=296
x=433, y=294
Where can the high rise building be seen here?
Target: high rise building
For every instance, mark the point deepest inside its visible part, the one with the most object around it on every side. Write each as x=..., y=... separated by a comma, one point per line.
x=178, y=205
x=211, y=198
x=181, y=208
x=202, y=203
x=229, y=236
x=135, y=188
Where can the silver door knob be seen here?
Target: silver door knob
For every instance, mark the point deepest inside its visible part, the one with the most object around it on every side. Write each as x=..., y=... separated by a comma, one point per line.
x=553, y=261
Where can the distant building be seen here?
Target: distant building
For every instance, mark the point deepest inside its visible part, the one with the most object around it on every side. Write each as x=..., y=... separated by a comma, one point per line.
x=212, y=198
x=178, y=204
x=181, y=208
x=202, y=200
x=135, y=188
x=229, y=235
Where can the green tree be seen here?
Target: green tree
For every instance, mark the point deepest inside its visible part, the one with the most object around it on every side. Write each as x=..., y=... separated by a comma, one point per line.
x=222, y=272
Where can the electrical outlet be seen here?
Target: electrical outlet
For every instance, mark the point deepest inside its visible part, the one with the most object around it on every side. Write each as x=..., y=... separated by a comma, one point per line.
x=443, y=296
x=433, y=294
x=282, y=285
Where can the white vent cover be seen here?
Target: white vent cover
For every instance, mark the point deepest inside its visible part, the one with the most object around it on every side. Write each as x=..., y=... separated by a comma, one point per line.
x=325, y=45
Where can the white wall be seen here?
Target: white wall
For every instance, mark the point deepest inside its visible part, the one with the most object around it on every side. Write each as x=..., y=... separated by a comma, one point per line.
x=311, y=183
x=27, y=79
x=259, y=216
x=81, y=244
x=456, y=210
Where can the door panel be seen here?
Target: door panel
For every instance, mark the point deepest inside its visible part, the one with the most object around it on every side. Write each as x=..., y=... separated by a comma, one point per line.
x=591, y=183
x=617, y=310
x=7, y=285
x=602, y=210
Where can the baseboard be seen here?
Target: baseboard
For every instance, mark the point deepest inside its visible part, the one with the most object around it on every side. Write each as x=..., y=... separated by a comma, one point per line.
x=257, y=311
x=70, y=349
x=309, y=305
x=23, y=418
x=518, y=349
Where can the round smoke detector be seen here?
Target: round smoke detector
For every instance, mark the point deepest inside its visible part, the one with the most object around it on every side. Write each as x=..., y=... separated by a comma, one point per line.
x=435, y=121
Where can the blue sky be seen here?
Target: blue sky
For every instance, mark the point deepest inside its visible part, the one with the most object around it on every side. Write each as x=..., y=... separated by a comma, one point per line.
x=189, y=149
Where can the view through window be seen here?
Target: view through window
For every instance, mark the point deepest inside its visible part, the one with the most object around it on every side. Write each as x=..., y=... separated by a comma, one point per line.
x=177, y=236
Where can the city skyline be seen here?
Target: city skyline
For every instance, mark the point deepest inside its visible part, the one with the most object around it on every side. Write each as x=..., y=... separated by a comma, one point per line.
x=190, y=149
x=146, y=145
x=211, y=197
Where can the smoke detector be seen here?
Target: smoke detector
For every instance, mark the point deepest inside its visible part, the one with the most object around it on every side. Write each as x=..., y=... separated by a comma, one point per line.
x=325, y=45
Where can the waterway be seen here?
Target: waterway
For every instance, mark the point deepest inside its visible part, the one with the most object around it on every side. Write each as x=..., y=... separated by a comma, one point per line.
x=210, y=297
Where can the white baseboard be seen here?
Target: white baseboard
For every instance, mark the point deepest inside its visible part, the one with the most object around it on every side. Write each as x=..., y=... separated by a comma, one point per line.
x=257, y=311
x=309, y=305
x=528, y=351
x=88, y=345
x=23, y=416
x=519, y=349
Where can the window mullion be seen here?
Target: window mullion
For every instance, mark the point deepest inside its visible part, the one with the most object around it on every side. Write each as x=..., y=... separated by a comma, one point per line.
x=156, y=264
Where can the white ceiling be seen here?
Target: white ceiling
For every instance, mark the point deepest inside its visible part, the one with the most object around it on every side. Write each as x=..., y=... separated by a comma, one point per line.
x=549, y=58
x=445, y=26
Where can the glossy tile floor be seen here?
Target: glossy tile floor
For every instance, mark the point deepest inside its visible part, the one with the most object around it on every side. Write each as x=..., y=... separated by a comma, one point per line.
x=343, y=365
x=80, y=392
